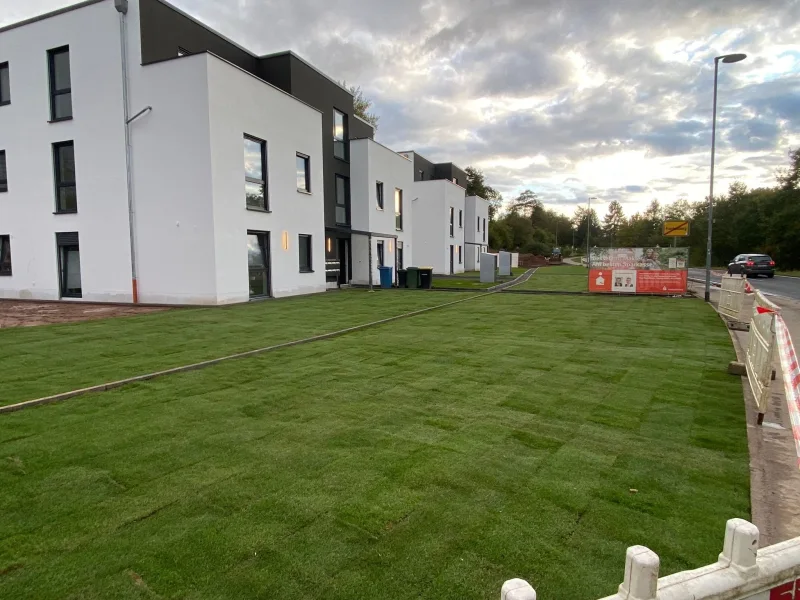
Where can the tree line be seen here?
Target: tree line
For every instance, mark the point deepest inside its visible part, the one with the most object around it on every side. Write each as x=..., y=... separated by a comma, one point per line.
x=763, y=220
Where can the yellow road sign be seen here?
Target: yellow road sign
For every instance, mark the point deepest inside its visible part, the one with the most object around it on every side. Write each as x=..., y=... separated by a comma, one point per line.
x=676, y=228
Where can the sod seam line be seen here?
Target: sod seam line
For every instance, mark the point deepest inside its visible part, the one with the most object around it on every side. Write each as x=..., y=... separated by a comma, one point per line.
x=527, y=275
x=214, y=361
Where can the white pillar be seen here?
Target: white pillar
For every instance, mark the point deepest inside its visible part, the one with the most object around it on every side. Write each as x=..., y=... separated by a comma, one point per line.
x=741, y=545
x=517, y=589
x=641, y=574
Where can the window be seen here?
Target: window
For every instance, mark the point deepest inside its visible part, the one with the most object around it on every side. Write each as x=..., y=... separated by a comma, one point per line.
x=421, y=175
x=3, y=172
x=5, y=255
x=69, y=265
x=455, y=180
x=461, y=219
x=64, y=165
x=451, y=221
x=339, y=134
x=255, y=169
x=398, y=209
x=342, y=200
x=479, y=223
x=303, y=173
x=459, y=255
x=484, y=230
x=5, y=84
x=399, y=255
x=258, y=263
x=60, y=84
x=304, y=243
x=379, y=193
x=380, y=253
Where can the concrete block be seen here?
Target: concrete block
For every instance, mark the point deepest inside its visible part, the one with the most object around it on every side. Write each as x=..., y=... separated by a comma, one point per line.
x=737, y=368
x=641, y=574
x=517, y=589
x=740, y=549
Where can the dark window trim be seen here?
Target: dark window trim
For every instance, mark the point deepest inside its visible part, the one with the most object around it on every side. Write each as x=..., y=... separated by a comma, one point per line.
x=183, y=51
x=300, y=241
x=379, y=194
x=346, y=133
x=459, y=256
x=398, y=216
x=5, y=241
x=4, y=65
x=52, y=79
x=263, y=242
x=460, y=218
x=452, y=221
x=380, y=253
x=346, y=199
x=4, y=182
x=307, y=160
x=57, y=176
x=264, y=173
x=62, y=279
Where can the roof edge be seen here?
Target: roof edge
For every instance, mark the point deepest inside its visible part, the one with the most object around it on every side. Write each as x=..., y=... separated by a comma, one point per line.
x=306, y=63
x=52, y=13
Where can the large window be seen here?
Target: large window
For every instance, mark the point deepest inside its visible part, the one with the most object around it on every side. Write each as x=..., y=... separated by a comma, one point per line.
x=60, y=84
x=379, y=193
x=452, y=229
x=339, y=134
x=5, y=255
x=398, y=209
x=5, y=84
x=460, y=219
x=64, y=167
x=303, y=173
x=304, y=244
x=342, y=200
x=255, y=173
x=381, y=254
x=69, y=264
x=258, y=263
x=3, y=172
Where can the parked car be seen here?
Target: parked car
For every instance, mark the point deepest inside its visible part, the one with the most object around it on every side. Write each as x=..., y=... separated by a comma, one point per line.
x=752, y=265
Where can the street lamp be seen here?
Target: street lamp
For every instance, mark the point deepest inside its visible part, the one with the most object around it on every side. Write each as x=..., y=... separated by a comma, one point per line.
x=727, y=58
x=588, y=230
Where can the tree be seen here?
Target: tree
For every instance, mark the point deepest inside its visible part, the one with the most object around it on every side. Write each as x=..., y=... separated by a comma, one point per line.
x=476, y=186
x=612, y=222
x=789, y=179
x=362, y=104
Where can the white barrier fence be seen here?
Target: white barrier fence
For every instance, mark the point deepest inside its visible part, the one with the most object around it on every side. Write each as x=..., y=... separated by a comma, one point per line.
x=743, y=572
x=731, y=296
x=761, y=344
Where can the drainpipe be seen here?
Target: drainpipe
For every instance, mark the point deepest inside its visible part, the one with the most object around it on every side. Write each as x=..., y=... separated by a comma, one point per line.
x=122, y=8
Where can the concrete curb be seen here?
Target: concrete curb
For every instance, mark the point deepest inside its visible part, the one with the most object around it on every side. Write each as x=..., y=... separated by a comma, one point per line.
x=214, y=361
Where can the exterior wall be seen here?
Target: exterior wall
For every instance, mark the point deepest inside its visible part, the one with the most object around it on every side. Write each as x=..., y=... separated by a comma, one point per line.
x=371, y=162
x=474, y=238
x=26, y=210
x=241, y=104
x=431, y=229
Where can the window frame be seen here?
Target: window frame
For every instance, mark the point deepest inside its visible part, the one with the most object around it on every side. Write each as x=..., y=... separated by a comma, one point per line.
x=264, y=174
x=4, y=66
x=307, y=162
x=58, y=183
x=63, y=274
x=398, y=214
x=479, y=223
x=452, y=221
x=305, y=238
x=263, y=238
x=4, y=161
x=379, y=195
x=51, y=77
x=461, y=218
x=346, y=204
x=460, y=259
x=398, y=255
x=380, y=252
x=484, y=230
x=345, y=135
x=5, y=244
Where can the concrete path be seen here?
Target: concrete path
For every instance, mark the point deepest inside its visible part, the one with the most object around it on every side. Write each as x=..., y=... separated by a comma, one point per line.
x=774, y=476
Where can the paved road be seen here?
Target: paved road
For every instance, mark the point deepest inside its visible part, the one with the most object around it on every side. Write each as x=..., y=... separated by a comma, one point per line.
x=787, y=287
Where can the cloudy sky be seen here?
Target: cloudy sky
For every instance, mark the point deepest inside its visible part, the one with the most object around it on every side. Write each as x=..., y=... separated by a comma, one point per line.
x=570, y=98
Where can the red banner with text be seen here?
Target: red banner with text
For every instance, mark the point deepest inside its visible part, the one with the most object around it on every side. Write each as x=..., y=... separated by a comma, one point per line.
x=639, y=270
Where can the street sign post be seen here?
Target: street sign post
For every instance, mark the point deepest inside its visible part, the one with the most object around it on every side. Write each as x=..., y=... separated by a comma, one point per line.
x=676, y=228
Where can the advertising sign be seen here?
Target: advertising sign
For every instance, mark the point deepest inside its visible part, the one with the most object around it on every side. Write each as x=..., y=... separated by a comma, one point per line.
x=638, y=270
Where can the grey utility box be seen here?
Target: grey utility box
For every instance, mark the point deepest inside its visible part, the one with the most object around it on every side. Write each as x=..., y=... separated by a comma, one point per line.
x=487, y=268
x=505, y=263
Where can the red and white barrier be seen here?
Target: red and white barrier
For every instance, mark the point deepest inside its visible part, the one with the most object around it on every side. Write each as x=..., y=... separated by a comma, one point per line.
x=791, y=377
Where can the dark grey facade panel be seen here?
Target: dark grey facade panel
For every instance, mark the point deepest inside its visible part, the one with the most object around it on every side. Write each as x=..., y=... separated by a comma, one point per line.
x=68, y=238
x=164, y=29
x=360, y=130
x=450, y=171
x=277, y=70
x=424, y=170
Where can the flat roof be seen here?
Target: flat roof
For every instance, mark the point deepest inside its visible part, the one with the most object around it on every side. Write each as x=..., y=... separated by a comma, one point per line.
x=306, y=63
x=363, y=139
x=53, y=13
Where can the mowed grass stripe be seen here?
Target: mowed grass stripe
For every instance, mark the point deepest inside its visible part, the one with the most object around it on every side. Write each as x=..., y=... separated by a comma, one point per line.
x=433, y=457
x=46, y=360
x=564, y=278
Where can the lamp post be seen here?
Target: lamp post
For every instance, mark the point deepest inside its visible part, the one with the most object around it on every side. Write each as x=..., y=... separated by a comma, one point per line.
x=588, y=230
x=727, y=58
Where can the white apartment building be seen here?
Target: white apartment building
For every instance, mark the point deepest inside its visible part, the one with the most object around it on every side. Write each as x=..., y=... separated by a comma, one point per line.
x=476, y=233
x=382, y=211
x=438, y=230
x=220, y=198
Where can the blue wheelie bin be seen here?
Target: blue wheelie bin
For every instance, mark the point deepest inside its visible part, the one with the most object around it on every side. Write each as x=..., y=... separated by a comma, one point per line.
x=386, y=277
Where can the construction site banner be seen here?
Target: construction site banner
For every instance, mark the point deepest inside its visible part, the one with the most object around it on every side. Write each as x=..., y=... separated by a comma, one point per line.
x=638, y=270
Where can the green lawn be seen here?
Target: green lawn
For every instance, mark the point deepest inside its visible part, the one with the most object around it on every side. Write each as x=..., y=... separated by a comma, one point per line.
x=788, y=273
x=40, y=361
x=433, y=457
x=567, y=278
x=472, y=279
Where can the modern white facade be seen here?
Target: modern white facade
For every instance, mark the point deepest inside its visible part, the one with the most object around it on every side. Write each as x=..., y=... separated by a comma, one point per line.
x=438, y=228
x=476, y=234
x=381, y=209
x=193, y=229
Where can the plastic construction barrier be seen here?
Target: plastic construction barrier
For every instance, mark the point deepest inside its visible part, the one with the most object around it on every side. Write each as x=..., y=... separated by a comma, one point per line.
x=731, y=296
x=761, y=344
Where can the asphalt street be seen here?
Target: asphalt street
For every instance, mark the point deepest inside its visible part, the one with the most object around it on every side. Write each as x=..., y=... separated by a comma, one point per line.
x=786, y=287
